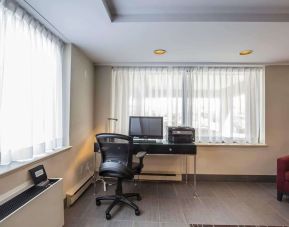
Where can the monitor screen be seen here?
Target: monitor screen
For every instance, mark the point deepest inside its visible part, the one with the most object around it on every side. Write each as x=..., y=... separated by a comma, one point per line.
x=146, y=127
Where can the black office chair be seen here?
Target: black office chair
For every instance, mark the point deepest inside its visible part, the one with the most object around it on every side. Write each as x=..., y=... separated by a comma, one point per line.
x=117, y=154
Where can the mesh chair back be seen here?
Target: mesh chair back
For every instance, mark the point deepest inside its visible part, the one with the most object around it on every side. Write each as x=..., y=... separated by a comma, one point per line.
x=115, y=148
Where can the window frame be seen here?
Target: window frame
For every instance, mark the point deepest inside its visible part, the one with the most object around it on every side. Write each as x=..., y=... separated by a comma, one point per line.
x=261, y=119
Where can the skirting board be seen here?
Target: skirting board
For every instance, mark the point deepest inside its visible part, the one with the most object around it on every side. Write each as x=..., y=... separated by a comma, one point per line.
x=74, y=193
x=238, y=178
x=159, y=177
x=208, y=177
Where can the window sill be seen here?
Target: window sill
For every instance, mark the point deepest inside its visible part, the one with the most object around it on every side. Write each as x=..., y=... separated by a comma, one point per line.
x=15, y=166
x=229, y=145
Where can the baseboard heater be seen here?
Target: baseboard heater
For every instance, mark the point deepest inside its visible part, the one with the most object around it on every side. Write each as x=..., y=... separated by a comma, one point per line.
x=34, y=207
x=74, y=193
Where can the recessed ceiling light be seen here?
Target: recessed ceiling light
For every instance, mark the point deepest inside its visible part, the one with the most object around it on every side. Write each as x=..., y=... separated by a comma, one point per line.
x=160, y=51
x=246, y=52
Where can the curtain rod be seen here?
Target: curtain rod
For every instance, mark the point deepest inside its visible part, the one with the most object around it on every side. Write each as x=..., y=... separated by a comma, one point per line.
x=179, y=65
x=187, y=66
x=38, y=16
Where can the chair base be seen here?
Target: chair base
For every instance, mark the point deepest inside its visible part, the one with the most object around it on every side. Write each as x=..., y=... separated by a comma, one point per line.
x=119, y=199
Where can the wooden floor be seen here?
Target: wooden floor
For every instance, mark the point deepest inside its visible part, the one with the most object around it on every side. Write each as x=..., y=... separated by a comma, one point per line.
x=173, y=204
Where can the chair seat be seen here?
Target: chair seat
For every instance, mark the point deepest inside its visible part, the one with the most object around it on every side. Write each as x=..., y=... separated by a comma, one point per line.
x=115, y=169
x=287, y=176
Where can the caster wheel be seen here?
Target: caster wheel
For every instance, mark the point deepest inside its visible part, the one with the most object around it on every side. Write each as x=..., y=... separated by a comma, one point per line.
x=137, y=212
x=108, y=216
x=138, y=198
x=97, y=202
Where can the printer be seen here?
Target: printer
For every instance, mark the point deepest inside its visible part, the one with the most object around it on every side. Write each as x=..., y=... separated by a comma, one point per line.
x=181, y=134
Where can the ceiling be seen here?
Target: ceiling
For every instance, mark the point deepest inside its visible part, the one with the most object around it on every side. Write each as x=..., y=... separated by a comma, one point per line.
x=198, y=10
x=192, y=31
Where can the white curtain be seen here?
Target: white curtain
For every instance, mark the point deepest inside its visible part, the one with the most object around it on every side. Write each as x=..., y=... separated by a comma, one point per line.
x=30, y=86
x=223, y=104
x=146, y=92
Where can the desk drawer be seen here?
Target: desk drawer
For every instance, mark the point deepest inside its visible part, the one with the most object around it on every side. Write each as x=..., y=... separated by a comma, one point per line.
x=167, y=148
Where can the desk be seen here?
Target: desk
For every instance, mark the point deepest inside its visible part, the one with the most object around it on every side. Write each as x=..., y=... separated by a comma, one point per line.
x=166, y=148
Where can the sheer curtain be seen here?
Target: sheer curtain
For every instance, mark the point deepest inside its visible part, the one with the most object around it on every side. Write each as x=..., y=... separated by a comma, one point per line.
x=223, y=104
x=146, y=92
x=30, y=86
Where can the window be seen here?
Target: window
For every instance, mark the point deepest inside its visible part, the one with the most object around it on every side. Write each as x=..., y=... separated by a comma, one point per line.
x=223, y=104
x=30, y=86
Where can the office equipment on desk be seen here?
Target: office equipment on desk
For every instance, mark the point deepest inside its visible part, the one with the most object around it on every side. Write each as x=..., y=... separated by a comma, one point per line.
x=181, y=134
x=117, y=154
x=146, y=127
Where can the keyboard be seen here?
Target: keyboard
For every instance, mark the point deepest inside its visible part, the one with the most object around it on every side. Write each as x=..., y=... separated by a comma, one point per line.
x=144, y=141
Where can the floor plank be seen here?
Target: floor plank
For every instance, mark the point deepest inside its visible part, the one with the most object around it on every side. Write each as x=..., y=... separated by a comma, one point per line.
x=166, y=204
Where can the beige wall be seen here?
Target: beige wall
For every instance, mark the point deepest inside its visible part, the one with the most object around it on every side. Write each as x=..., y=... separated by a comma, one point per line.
x=227, y=160
x=81, y=119
x=75, y=163
x=102, y=97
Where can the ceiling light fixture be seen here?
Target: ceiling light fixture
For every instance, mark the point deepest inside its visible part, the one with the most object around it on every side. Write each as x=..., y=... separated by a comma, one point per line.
x=246, y=52
x=160, y=51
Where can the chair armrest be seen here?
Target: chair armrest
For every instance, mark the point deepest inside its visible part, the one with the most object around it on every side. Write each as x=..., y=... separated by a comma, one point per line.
x=115, y=169
x=141, y=154
x=96, y=147
x=282, y=168
x=283, y=164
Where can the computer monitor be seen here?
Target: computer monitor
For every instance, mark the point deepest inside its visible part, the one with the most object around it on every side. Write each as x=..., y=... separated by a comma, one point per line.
x=146, y=127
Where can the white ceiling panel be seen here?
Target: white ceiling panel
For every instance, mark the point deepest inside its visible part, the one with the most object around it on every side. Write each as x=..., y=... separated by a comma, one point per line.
x=87, y=24
x=198, y=10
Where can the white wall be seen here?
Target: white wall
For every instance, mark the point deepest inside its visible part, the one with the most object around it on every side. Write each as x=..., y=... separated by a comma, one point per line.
x=226, y=160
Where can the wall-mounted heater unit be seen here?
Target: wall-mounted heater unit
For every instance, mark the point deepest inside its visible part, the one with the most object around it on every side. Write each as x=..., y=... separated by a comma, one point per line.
x=39, y=205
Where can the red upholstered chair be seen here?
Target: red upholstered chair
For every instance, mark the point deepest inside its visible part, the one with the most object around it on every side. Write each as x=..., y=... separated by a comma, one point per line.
x=282, y=177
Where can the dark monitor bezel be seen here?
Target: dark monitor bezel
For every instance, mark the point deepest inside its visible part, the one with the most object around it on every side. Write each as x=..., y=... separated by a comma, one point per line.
x=146, y=136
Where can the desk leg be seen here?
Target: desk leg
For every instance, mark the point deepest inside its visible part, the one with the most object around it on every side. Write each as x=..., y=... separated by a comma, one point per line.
x=94, y=175
x=195, y=176
x=186, y=168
